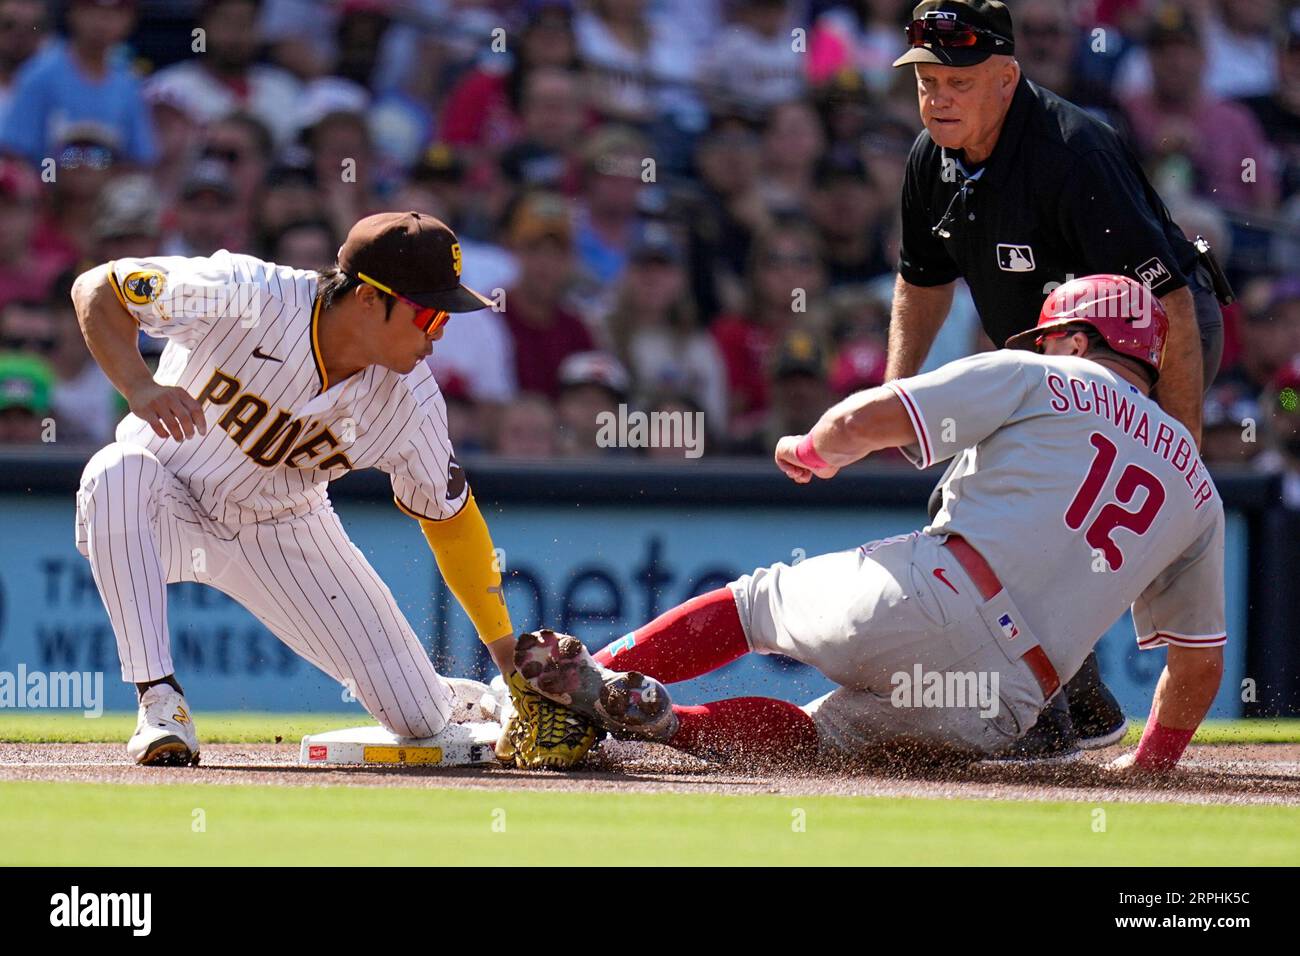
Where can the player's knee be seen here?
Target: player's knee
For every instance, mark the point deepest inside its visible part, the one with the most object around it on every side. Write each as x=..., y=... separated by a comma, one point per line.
x=118, y=466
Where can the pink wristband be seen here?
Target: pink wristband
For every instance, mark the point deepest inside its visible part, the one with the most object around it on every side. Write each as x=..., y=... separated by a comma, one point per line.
x=807, y=454
x=1161, y=747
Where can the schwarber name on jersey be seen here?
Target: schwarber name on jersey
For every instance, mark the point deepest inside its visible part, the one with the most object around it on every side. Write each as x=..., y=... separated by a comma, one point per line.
x=1081, y=492
x=242, y=339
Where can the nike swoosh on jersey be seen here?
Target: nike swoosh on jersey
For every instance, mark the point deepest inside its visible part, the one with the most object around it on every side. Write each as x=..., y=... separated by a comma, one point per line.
x=258, y=353
x=939, y=573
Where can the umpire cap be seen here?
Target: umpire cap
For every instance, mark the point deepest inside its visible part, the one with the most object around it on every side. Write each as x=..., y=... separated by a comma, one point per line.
x=958, y=32
x=413, y=254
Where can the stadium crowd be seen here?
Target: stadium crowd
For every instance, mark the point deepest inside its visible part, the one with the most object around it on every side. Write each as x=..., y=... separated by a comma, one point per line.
x=679, y=205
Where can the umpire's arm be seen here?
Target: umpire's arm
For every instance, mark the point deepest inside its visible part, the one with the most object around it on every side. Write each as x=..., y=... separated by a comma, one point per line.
x=1179, y=391
x=915, y=318
x=1113, y=225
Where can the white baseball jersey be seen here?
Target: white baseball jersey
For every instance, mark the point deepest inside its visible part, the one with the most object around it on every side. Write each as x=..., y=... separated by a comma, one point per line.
x=245, y=508
x=1083, y=495
x=241, y=338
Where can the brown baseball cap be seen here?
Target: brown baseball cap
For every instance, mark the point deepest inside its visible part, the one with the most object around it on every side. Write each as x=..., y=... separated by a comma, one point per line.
x=413, y=254
x=987, y=22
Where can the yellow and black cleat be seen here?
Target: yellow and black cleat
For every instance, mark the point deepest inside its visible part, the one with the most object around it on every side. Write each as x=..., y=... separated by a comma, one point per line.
x=543, y=734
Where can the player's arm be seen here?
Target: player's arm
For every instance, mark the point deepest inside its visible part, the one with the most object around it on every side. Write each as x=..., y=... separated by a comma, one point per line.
x=112, y=335
x=1182, y=609
x=864, y=422
x=917, y=314
x=467, y=560
x=1179, y=389
x=1183, y=697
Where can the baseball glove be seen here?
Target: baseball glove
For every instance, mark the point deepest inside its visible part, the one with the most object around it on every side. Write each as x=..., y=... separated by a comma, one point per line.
x=541, y=733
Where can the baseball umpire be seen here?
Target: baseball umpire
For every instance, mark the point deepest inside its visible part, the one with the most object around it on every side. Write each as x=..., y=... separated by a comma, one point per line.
x=1015, y=190
x=275, y=381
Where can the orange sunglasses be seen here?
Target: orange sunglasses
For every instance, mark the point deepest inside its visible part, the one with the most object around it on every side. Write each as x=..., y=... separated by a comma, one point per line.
x=428, y=320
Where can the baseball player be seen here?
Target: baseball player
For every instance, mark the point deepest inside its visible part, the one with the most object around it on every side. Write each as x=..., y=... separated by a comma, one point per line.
x=1074, y=496
x=274, y=381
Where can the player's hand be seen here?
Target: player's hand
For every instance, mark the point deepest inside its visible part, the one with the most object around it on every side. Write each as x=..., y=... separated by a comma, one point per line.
x=1125, y=767
x=169, y=410
x=787, y=459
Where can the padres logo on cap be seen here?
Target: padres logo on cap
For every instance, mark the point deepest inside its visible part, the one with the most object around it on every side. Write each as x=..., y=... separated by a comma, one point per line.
x=455, y=257
x=143, y=287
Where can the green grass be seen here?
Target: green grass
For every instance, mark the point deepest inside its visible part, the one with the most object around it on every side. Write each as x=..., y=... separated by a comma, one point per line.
x=94, y=824
x=250, y=727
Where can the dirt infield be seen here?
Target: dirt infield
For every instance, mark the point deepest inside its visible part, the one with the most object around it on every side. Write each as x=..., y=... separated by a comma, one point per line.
x=1234, y=774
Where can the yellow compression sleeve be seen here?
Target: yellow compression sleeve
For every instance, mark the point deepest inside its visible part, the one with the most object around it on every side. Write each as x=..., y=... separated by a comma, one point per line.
x=463, y=549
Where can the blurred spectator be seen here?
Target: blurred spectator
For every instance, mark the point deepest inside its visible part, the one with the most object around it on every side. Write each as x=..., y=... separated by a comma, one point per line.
x=466, y=418
x=82, y=78
x=225, y=78
x=639, y=64
x=23, y=270
x=332, y=122
x=26, y=383
x=205, y=218
x=846, y=109
x=847, y=211
x=85, y=158
x=590, y=383
x=1239, y=42
x=1281, y=405
x=1270, y=338
x=546, y=154
x=243, y=143
x=785, y=283
x=797, y=380
x=84, y=402
x=753, y=65
x=482, y=112
x=866, y=36
x=608, y=221
x=1048, y=46
x=22, y=32
x=289, y=194
x=543, y=331
x=1180, y=122
x=793, y=141
x=728, y=213
x=1230, y=416
x=177, y=134
x=1278, y=112
x=655, y=331
x=526, y=428
x=305, y=244
x=128, y=220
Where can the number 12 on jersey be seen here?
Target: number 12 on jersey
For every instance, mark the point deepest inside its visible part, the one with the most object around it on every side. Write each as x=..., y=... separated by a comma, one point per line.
x=1111, y=515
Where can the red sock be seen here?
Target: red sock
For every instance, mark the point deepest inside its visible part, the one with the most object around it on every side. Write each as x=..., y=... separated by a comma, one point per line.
x=753, y=727
x=691, y=639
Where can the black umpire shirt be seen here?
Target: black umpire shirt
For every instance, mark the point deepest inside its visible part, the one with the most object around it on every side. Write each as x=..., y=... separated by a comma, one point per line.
x=1060, y=196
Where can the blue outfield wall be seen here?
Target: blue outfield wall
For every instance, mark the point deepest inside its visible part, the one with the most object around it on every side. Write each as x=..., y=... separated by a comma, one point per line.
x=596, y=566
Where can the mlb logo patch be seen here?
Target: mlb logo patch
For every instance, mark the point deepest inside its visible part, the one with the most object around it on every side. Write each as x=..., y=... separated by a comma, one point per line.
x=1015, y=258
x=1008, y=627
x=1152, y=272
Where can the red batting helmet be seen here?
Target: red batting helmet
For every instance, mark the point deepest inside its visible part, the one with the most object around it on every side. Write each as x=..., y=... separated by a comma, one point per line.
x=1124, y=313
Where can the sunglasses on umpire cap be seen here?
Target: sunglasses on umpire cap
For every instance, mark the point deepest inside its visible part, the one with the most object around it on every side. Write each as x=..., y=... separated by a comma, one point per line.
x=427, y=320
x=951, y=34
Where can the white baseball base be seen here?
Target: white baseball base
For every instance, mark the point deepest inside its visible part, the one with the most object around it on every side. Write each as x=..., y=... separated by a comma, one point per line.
x=456, y=745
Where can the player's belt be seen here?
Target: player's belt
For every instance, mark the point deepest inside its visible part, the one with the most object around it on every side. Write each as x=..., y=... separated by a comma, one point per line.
x=987, y=583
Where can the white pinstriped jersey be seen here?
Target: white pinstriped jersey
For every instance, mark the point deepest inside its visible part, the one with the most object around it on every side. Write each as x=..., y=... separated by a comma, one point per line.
x=1082, y=494
x=242, y=339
